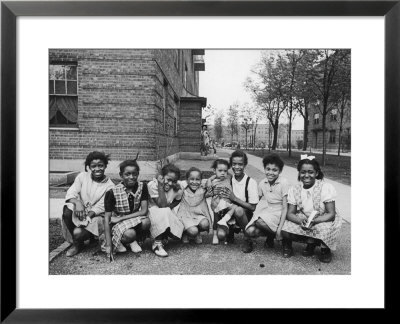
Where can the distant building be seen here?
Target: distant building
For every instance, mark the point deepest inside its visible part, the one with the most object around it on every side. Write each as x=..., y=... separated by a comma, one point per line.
x=315, y=134
x=262, y=135
x=123, y=101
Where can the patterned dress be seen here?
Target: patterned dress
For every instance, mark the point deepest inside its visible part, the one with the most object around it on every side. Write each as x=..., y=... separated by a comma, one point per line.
x=311, y=199
x=193, y=208
x=121, y=202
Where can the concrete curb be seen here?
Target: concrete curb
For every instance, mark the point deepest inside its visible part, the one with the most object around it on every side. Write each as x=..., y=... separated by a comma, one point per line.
x=58, y=250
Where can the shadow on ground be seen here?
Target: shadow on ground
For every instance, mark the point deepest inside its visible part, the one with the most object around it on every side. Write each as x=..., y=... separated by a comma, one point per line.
x=206, y=259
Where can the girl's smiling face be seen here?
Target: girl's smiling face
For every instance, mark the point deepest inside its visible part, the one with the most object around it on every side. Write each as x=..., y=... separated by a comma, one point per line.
x=307, y=175
x=194, y=180
x=221, y=171
x=238, y=166
x=272, y=172
x=130, y=176
x=97, y=167
x=170, y=179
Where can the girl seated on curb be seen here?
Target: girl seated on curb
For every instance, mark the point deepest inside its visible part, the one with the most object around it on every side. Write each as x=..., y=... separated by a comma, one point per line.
x=126, y=211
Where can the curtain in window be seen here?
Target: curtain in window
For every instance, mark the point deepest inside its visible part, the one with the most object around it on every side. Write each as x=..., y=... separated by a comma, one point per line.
x=67, y=106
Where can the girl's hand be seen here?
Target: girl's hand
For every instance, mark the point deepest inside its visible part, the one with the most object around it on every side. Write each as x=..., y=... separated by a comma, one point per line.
x=278, y=235
x=110, y=256
x=114, y=220
x=80, y=211
x=304, y=225
x=90, y=215
x=160, y=180
x=227, y=194
x=302, y=218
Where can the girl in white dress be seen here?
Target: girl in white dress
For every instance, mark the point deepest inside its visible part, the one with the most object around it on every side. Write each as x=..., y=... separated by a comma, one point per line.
x=165, y=194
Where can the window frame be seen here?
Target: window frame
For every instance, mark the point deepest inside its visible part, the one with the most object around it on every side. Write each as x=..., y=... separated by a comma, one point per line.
x=71, y=126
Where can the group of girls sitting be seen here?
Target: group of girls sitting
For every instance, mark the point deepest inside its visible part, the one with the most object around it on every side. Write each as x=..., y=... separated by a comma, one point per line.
x=124, y=215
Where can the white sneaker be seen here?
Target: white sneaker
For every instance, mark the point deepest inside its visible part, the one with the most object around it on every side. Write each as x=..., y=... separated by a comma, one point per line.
x=121, y=248
x=135, y=247
x=185, y=239
x=215, y=240
x=222, y=222
x=158, y=249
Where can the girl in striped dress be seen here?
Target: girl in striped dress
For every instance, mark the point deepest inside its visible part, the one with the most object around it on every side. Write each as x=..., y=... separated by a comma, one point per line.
x=312, y=217
x=126, y=209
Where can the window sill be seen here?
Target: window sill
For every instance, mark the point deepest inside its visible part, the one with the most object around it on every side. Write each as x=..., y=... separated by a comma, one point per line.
x=64, y=128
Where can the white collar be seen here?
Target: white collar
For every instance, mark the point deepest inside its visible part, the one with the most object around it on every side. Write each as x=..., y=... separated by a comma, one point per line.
x=241, y=181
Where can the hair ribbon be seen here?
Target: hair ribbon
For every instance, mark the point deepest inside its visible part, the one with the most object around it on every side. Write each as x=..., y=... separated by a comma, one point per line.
x=308, y=157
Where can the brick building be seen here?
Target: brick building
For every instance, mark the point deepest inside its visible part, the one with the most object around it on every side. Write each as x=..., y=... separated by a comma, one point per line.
x=123, y=102
x=315, y=133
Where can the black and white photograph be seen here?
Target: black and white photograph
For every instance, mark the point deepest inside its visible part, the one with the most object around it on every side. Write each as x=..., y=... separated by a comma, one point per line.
x=199, y=161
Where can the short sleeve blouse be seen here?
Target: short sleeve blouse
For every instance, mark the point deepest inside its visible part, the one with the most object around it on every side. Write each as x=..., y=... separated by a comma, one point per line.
x=328, y=194
x=275, y=193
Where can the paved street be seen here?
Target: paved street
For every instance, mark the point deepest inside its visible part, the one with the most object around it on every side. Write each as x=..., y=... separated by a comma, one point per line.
x=210, y=259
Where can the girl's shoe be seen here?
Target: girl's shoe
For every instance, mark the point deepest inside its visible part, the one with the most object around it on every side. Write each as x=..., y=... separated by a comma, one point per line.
x=135, y=247
x=121, y=248
x=287, y=251
x=309, y=250
x=247, y=246
x=185, y=239
x=74, y=250
x=198, y=239
x=326, y=255
x=158, y=249
x=269, y=242
x=215, y=240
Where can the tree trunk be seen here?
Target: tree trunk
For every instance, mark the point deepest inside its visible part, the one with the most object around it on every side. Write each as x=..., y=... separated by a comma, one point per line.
x=246, y=138
x=340, y=133
x=324, y=136
x=305, y=135
x=275, y=140
x=290, y=132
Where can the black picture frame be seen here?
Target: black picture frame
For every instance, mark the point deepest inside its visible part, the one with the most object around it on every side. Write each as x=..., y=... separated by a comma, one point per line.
x=10, y=10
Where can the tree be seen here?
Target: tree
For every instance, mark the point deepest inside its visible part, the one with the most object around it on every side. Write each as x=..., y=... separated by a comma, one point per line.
x=341, y=94
x=218, y=129
x=233, y=119
x=246, y=119
x=305, y=94
x=267, y=91
x=288, y=67
x=324, y=78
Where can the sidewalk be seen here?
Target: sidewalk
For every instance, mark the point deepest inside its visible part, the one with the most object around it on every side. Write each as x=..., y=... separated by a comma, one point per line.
x=208, y=259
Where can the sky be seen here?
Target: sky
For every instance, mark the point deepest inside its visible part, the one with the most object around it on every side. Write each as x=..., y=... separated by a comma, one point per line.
x=225, y=72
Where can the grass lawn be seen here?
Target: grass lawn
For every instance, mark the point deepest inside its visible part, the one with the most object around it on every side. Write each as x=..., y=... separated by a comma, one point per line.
x=337, y=168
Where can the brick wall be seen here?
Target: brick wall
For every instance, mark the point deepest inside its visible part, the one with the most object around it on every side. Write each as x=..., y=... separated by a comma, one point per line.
x=121, y=103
